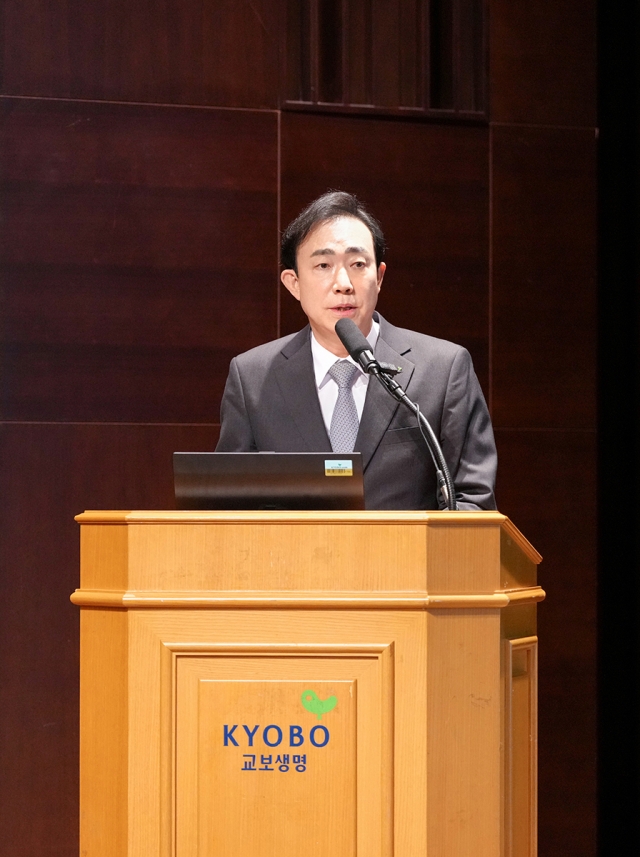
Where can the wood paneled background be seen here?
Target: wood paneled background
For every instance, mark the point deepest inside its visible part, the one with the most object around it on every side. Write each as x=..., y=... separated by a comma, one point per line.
x=150, y=154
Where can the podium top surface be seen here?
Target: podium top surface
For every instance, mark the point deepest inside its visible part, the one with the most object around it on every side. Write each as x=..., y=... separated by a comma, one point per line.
x=151, y=516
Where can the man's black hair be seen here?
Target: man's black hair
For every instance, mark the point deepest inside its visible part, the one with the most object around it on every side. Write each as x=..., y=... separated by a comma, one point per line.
x=334, y=203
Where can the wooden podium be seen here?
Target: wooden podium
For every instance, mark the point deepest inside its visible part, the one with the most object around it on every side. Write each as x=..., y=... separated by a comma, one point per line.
x=358, y=684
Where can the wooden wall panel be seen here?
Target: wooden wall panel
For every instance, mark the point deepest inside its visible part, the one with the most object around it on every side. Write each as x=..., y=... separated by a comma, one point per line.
x=138, y=256
x=544, y=409
x=547, y=484
x=544, y=268
x=216, y=52
x=428, y=185
x=392, y=57
x=543, y=62
x=49, y=474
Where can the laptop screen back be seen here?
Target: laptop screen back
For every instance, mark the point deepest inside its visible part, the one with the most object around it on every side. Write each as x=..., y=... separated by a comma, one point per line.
x=268, y=480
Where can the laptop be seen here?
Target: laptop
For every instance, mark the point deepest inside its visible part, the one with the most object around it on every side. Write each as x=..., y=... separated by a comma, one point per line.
x=268, y=480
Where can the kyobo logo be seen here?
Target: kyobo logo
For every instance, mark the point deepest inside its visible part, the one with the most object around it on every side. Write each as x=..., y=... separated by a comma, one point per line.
x=317, y=706
x=273, y=735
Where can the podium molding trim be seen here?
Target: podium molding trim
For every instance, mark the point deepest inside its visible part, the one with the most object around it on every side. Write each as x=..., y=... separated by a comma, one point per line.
x=297, y=601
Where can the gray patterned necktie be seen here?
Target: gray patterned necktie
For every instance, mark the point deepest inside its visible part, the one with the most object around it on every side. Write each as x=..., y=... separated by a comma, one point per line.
x=344, y=422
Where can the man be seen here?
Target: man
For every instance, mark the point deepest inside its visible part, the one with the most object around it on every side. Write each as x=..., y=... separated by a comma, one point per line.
x=288, y=396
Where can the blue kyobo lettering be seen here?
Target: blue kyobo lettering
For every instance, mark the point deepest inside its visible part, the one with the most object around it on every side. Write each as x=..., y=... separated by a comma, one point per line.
x=274, y=735
x=313, y=736
x=250, y=733
x=265, y=735
x=228, y=736
x=296, y=738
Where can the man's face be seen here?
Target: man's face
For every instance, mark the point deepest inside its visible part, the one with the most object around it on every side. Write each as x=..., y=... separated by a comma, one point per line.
x=337, y=278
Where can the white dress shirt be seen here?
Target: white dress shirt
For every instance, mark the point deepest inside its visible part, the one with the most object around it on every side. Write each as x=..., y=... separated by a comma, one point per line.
x=323, y=360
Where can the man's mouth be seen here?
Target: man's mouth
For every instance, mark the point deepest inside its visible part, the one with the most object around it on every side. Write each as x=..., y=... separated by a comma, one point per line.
x=343, y=308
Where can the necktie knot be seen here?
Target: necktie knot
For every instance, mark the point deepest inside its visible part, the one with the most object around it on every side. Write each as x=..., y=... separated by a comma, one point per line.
x=343, y=372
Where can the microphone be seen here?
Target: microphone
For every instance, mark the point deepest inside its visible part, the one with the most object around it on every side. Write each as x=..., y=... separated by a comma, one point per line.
x=356, y=344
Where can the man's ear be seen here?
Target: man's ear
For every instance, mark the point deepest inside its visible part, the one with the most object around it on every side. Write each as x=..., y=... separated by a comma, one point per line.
x=381, y=269
x=290, y=281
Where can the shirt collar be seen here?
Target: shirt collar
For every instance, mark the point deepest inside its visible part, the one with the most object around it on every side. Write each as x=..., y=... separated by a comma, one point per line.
x=323, y=359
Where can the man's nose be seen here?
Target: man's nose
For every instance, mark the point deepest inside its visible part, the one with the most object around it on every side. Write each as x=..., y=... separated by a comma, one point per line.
x=342, y=282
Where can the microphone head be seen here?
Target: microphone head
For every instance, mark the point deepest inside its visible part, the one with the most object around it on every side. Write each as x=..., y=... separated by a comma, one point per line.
x=352, y=338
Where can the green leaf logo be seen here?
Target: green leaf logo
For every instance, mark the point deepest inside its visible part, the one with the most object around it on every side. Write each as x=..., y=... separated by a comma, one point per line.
x=317, y=706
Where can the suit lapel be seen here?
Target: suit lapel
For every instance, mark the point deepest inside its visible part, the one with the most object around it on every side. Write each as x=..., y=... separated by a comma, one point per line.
x=296, y=380
x=379, y=406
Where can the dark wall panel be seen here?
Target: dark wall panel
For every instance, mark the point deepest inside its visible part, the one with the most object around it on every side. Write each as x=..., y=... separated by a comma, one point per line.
x=544, y=267
x=547, y=485
x=49, y=474
x=138, y=256
x=387, y=56
x=428, y=185
x=217, y=52
x=543, y=62
x=544, y=409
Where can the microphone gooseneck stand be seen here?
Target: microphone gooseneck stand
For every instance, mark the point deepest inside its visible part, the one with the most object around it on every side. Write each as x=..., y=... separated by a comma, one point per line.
x=445, y=483
x=359, y=349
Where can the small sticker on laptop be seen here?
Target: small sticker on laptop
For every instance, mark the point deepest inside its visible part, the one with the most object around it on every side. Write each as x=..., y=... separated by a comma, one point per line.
x=338, y=468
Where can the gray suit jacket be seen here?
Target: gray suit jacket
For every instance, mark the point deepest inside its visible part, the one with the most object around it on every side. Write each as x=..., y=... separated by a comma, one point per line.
x=271, y=403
